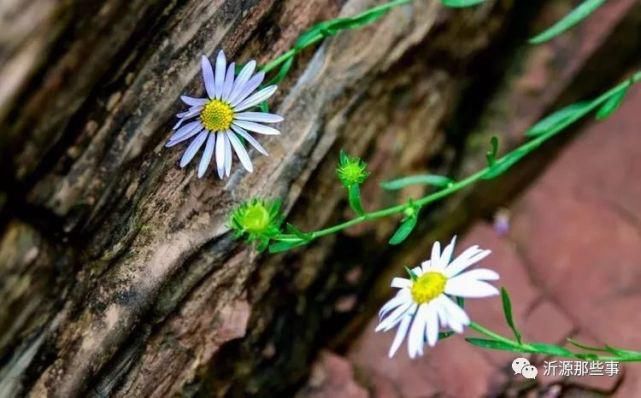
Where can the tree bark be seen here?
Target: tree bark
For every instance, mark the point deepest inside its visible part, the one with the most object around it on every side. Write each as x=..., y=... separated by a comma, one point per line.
x=118, y=274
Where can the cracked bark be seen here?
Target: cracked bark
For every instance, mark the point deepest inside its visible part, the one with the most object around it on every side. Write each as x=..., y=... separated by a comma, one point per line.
x=119, y=275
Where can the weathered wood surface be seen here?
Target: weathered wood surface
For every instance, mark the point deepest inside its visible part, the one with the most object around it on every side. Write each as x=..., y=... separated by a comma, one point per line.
x=118, y=274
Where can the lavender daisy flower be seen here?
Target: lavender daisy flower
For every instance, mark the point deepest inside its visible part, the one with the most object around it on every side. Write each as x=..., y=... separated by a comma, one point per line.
x=219, y=120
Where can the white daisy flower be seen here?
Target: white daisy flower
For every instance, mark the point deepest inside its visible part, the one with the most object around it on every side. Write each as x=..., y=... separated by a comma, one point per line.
x=424, y=302
x=220, y=120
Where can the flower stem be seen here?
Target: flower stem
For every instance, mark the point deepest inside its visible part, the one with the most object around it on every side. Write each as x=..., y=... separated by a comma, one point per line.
x=320, y=35
x=631, y=356
x=519, y=152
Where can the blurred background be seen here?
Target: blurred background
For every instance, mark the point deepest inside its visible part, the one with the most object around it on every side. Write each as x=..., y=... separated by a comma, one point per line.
x=119, y=277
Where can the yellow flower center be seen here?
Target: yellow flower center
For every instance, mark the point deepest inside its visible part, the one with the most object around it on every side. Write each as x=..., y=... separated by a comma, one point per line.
x=217, y=115
x=428, y=286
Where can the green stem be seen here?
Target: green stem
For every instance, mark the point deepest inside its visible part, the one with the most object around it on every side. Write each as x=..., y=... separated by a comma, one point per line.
x=321, y=35
x=528, y=349
x=524, y=149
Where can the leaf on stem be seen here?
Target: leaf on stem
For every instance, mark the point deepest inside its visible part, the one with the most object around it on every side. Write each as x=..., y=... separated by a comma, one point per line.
x=491, y=154
x=404, y=230
x=492, y=344
x=411, y=274
x=461, y=3
x=291, y=229
x=551, y=349
x=574, y=17
x=507, y=311
x=612, y=104
x=284, y=246
x=282, y=72
x=421, y=179
x=354, y=197
x=555, y=119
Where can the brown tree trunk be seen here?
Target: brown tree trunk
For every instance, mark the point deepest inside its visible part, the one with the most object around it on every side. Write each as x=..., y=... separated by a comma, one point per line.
x=118, y=274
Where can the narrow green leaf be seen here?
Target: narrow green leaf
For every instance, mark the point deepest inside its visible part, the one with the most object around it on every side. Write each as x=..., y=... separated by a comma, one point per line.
x=585, y=346
x=612, y=104
x=290, y=228
x=492, y=344
x=460, y=301
x=503, y=165
x=461, y=3
x=354, y=197
x=421, y=179
x=404, y=230
x=284, y=246
x=282, y=72
x=310, y=35
x=574, y=17
x=333, y=26
x=355, y=22
x=491, y=154
x=507, y=310
x=444, y=335
x=550, y=349
x=411, y=273
x=586, y=356
x=622, y=353
x=554, y=119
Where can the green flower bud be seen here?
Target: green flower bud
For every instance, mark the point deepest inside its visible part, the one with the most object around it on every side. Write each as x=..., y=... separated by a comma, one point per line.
x=351, y=170
x=257, y=220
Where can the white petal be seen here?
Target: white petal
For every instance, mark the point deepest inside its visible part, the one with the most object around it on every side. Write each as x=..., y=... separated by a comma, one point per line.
x=184, y=133
x=247, y=88
x=242, y=79
x=445, y=320
x=446, y=256
x=395, y=316
x=228, y=155
x=464, y=287
x=229, y=82
x=454, y=312
x=192, y=101
x=240, y=151
x=220, y=153
x=193, y=111
x=469, y=257
x=426, y=266
x=219, y=77
x=400, y=335
x=401, y=283
x=178, y=124
x=402, y=297
x=208, y=76
x=193, y=148
x=249, y=139
x=209, y=152
x=417, y=331
x=256, y=98
x=418, y=271
x=436, y=255
x=255, y=127
x=431, y=324
x=260, y=117
x=481, y=274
